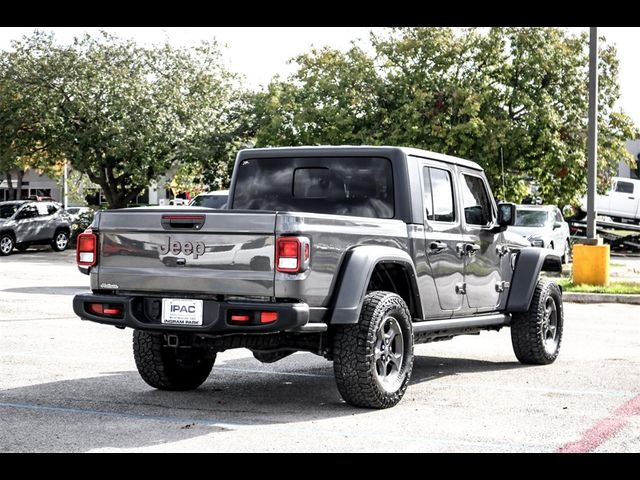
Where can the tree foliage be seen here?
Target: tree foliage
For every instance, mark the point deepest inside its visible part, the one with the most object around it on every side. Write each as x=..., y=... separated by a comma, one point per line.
x=120, y=113
x=516, y=96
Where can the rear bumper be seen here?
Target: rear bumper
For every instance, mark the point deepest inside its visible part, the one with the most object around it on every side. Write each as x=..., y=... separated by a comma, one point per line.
x=141, y=314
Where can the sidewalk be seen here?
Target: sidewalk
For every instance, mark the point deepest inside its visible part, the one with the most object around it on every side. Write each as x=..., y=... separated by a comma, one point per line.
x=622, y=268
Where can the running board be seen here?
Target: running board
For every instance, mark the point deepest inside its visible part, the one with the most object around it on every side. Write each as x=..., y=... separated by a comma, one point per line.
x=477, y=321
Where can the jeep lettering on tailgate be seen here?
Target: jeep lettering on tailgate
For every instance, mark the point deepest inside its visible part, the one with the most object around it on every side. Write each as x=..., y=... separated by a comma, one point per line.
x=175, y=247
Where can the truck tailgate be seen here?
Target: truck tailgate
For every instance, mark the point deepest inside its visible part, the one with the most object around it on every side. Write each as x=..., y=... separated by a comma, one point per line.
x=196, y=251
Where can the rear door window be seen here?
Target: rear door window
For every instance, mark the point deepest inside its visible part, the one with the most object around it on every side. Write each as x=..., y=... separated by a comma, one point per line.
x=438, y=195
x=358, y=186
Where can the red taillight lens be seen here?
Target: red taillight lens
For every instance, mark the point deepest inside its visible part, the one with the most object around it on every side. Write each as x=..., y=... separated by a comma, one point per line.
x=268, y=317
x=87, y=249
x=240, y=318
x=292, y=254
x=288, y=255
x=102, y=309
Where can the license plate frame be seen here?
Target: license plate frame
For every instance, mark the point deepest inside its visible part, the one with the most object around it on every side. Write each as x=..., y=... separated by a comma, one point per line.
x=182, y=312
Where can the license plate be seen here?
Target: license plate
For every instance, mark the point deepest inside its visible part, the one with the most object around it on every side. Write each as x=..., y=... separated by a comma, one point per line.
x=181, y=312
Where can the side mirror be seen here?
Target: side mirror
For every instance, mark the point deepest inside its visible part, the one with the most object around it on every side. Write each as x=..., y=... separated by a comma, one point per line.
x=557, y=225
x=506, y=215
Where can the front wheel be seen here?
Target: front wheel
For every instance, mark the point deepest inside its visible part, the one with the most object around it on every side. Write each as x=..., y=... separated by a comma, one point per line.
x=536, y=334
x=374, y=358
x=60, y=241
x=168, y=368
x=6, y=244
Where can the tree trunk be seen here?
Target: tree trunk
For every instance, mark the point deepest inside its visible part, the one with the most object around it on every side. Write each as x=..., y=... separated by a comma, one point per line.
x=115, y=198
x=12, y=192
x=19, y=184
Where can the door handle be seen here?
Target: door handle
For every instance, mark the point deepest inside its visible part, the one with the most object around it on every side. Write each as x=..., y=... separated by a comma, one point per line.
x=471, y=248
x=437, y=246
x=631, y=198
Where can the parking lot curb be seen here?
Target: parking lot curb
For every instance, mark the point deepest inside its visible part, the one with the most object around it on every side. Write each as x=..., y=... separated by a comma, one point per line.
x=577, y=297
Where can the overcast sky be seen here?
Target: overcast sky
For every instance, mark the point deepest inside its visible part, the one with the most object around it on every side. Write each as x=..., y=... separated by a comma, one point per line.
x=261, y=52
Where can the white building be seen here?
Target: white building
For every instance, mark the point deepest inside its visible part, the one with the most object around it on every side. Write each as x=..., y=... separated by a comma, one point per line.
x=624, y=170
x=33, y=183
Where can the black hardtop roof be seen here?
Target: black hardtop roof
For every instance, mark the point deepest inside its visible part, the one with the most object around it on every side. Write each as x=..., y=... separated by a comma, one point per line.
x=331, y=150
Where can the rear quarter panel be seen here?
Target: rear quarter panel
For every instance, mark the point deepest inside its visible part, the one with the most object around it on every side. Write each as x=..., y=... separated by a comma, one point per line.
x=332, y=237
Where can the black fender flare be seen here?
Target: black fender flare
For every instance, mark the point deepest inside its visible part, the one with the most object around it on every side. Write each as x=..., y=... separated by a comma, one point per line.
x=355, y=278
x=529, y=263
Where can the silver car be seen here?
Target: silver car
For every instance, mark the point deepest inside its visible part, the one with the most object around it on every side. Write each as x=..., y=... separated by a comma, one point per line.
x=24, y=223
x=544, y=226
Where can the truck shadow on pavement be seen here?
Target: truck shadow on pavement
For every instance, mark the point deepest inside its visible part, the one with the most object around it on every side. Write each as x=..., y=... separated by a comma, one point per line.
x=118, y=410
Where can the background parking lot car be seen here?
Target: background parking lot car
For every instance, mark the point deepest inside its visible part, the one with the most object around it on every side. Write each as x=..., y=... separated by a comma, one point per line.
x=544, y=226
x=24, y=223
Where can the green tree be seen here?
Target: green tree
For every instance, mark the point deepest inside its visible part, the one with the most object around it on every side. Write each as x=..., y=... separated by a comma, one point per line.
x=331, y=99
x=517, y=94
x=120, y=113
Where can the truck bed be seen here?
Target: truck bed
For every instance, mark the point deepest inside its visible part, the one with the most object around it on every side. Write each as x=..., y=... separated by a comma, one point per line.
x=203, y=252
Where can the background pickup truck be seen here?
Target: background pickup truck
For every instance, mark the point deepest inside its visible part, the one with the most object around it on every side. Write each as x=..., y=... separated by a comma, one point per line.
x=352, y=253
x=622, y=201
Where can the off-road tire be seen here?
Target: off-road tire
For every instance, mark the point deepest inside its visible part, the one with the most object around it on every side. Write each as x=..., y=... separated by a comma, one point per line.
x=354, y=350
x=161, y=366
x=529, y=331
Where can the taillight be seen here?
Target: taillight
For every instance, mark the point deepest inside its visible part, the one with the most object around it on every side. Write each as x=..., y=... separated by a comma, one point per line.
x=87, y=249
x=105, y=309
x=292, y=254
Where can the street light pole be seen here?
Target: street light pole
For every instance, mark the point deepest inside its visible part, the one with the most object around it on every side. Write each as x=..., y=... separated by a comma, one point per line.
x=592, y=139
x=65, y=186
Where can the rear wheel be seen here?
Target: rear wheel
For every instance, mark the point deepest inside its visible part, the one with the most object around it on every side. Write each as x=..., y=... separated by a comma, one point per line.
x=60, y=241
x=374, y=358
x=536, y=334
x=6, y=244
x=169, y=368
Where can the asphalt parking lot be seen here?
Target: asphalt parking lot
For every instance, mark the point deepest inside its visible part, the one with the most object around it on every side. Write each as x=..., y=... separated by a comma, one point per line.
x=72, y=386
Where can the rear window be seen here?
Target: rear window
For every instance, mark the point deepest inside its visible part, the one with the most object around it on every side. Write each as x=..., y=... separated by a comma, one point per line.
x=359, y=186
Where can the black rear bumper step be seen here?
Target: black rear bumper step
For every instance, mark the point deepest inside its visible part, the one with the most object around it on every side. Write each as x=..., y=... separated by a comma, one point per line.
x=291, y=316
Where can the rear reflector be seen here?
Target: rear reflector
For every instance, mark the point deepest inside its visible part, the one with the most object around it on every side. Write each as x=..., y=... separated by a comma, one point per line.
x=240, y=318
x=268, y=317
x=102, y=309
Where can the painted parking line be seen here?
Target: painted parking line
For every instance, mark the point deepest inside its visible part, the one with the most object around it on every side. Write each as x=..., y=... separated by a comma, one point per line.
x=605, y=429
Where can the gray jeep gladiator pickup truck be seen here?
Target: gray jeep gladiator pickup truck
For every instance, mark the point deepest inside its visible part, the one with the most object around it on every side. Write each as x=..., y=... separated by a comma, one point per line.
x=352, y=253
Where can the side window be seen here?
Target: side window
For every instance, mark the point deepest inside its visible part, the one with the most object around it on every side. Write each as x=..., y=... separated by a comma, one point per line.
x=428, y=198
x=475, y=199
x=624, y=187
x=559, y=216
x=43, y=211
x=29, y=211
x=438, y=195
